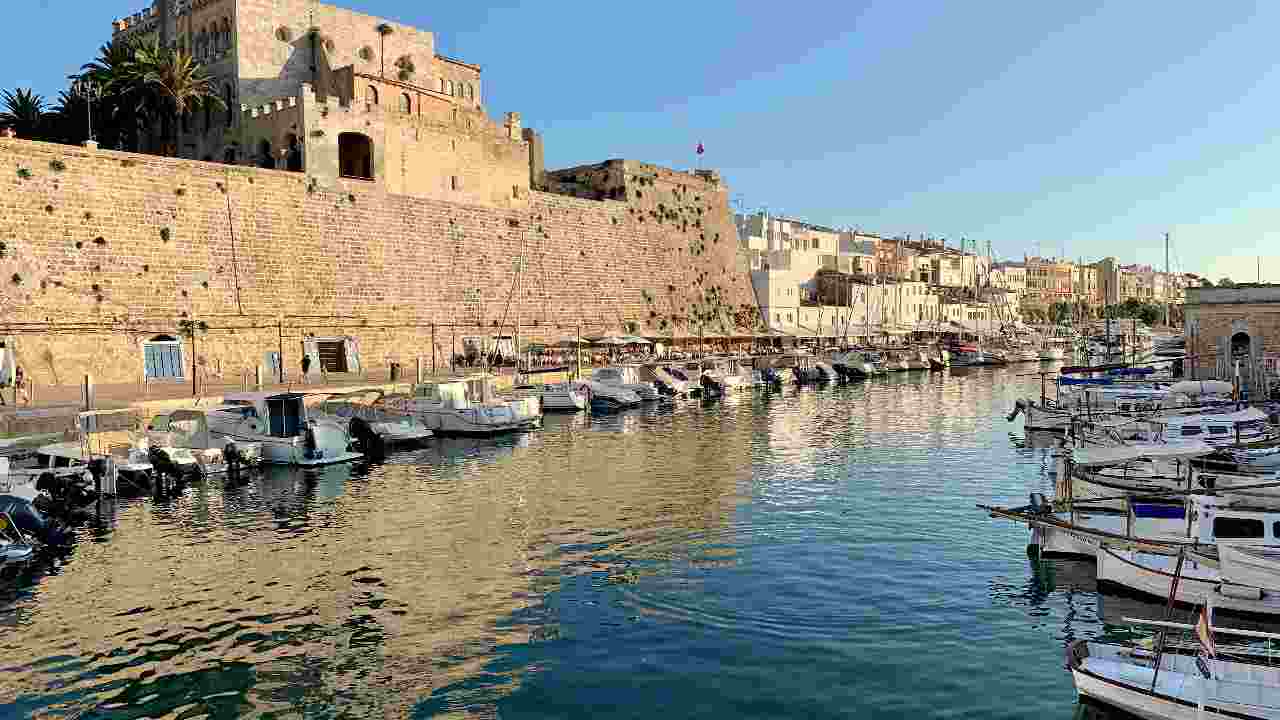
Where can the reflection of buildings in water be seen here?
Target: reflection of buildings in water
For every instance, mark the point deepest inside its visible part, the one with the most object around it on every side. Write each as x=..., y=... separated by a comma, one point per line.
x=373, y=588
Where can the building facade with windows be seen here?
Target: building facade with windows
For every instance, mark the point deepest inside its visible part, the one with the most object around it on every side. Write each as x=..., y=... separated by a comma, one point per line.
x=335, y=93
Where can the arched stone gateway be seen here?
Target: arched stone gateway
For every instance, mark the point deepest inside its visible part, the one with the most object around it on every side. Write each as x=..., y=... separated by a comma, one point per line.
x=264, y=155
x=1241, y=346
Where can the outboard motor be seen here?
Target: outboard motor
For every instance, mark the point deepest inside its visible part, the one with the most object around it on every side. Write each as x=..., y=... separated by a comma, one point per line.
x=1019, y=407
x=1040, y=505
x=771, y=377
x=163, y=464
x=31, y=522
x=98, y=470
x=710, y=388
x=364, y=436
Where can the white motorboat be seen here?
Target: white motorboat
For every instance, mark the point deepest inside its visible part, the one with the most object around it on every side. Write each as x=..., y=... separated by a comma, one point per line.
x=852, y=365
x=896, y=362
x=470, y=407
x=282, y=424
x=690, y=378
x=627, y=378
x=666, y=382
x=917, y=360
x=181, y=443
x=58, y=465
x=370, y=421
x=559, y=397
x=607, y=398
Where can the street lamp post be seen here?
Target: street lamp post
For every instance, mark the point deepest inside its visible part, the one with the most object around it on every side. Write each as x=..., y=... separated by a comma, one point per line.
x=90, y=91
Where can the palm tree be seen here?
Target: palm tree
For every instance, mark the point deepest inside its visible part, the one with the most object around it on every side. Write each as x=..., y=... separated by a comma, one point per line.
x=23, y=111
x=68, y=123
x=170, y=84
x=117, y=112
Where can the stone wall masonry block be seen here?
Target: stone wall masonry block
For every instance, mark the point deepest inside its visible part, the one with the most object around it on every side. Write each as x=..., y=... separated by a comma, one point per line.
x=123, y=257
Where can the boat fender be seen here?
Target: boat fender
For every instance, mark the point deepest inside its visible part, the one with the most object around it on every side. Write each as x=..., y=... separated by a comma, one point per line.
x=1077, y=653
x=1240, y=592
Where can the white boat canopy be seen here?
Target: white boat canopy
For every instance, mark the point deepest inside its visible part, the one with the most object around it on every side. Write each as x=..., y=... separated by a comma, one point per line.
x=1094, y=456
x=1248, y=415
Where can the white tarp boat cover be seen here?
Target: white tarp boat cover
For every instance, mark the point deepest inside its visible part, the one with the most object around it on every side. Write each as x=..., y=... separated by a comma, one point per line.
x=1201, y=387
x=1096, y=455
x=1248, y=415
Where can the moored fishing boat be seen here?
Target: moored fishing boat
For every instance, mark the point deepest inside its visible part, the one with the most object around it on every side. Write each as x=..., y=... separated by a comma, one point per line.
x=1182, y=681
x=372, y=423
x=181, y=442
x=625, y=377
x=470, y=407
x=282, y=426
x=560, y=397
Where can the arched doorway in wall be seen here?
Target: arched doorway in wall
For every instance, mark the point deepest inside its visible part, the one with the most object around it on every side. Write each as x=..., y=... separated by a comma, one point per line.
x=1241, y=347
x=293, y=160
x=264, y=155
x=355, y=156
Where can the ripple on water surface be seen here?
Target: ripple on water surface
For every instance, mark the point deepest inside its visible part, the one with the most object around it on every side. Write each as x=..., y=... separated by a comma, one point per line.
x=808, y=553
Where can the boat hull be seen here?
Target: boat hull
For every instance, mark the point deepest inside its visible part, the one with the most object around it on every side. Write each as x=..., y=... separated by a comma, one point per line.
x=1146, y=704
x=1256, y=567
x=455, y=425
x=1152, y=575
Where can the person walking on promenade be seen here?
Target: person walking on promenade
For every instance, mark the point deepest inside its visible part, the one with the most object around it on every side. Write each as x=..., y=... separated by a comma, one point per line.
x=306, y=367
x=20, y=394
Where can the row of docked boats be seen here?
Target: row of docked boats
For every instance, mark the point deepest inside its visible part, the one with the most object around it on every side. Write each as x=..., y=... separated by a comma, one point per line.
x=1177, y=499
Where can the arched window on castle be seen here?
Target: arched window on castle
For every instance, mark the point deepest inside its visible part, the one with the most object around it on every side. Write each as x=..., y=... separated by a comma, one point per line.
x=449, y=87
x=355, y=156
x=471, y=92
x=441, y=84
x=406, y=105
x=371, y=97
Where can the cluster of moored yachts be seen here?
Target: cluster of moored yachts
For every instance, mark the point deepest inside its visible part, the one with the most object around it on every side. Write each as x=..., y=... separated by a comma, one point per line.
x=309, y=429
x=1173, y=489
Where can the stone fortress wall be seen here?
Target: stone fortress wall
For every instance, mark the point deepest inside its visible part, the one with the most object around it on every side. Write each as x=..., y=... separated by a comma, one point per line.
x=101, y=251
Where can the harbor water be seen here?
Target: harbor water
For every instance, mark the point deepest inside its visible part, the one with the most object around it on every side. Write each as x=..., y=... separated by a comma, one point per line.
x=807, y=553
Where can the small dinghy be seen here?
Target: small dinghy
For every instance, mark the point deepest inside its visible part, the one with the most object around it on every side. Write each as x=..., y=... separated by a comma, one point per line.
x=15, y=548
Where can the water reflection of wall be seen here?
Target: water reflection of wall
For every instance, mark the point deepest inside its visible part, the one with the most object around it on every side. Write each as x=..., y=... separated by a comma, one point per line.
x=370, y=586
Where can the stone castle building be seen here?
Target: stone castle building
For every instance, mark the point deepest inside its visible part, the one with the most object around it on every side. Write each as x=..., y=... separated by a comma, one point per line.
x=356, y=206
x=335, y=93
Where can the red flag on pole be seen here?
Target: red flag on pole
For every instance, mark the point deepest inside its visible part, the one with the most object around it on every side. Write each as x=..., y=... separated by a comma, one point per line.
x=700, y=149
x=1205, y=633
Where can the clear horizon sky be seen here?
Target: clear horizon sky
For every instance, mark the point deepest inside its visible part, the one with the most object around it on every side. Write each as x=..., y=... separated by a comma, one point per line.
x=1076, y=129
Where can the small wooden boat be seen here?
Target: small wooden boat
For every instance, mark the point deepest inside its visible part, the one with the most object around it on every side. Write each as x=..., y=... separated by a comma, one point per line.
x=1174, y=683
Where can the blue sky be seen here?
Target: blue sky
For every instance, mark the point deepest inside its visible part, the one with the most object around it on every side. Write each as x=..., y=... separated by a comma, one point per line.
x=1089, y=129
